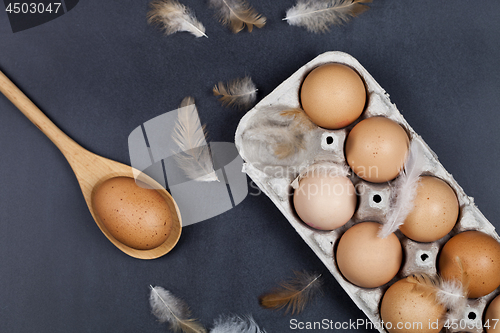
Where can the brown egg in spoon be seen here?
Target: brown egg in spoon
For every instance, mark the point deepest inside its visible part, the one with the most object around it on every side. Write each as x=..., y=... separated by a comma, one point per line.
x=127, y=224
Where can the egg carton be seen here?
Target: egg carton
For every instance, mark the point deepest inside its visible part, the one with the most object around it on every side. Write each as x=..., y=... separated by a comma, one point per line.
x=274, y=178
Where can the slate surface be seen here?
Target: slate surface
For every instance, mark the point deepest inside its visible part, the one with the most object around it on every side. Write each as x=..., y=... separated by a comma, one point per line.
x=100, y=71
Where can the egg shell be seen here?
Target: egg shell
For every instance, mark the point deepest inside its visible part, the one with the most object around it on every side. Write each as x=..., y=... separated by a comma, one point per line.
x=376, y=149
x=333, y=95
x=435, y=211
x=325, y=202
x=480, y=257
x=136, y=216
x=405, y=310
x=367, y=260
x=492, y=316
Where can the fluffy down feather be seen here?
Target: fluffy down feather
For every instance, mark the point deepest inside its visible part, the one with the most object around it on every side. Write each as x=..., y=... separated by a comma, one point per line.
x=172, y=16
x=293, y=294
x=452, y=294
x=236, y=14
x=404, y=191
x=239, y=92
x=317, y=16
x=236, y=324
x=168, y=308
x=194, y=156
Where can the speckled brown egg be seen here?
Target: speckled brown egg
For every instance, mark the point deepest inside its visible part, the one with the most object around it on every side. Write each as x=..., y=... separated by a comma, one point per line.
x=435, y=211
x=136, y=216
x=376, y=149
x=492, y=317
x=367, y=260
x=479, y=254
x=333, y=95
x=405, y=310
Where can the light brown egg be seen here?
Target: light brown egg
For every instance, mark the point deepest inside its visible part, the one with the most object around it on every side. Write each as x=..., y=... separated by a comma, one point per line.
x=479, y=254
x=136, y=216
x=376, y=149
x=333, y=95
x=435, y=213
x=367, y=260
x=405, y=310
x=325, y=202
x=492, y=318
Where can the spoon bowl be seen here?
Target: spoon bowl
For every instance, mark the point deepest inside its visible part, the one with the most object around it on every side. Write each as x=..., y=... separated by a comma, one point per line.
x=92, y=170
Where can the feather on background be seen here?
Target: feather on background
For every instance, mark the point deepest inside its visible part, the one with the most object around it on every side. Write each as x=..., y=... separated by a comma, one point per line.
x=405, y=190
x=236, y=14
x=236, y=324
x=194, y=154
x=168, y=308
x=294, y=294
x=172, y=16
x=239, y=92
x=317, y=16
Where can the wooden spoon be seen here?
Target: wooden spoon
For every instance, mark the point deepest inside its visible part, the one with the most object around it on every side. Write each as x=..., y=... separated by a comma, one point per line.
x=91, y=170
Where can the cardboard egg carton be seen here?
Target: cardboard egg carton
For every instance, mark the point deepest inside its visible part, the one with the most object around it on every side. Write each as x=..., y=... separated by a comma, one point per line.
x=274, y=177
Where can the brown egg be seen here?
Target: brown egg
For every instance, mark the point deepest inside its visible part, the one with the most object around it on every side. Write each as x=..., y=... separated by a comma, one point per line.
x=405, y=310
x=492, y=318
x=435, y=213
x=325, y=202
x=367, y=260
x=333, y=95
x=137, y=217
x=376, y=149
x=480, y=257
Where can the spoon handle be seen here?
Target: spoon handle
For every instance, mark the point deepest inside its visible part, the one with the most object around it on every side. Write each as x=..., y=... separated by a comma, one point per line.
x=65, y=144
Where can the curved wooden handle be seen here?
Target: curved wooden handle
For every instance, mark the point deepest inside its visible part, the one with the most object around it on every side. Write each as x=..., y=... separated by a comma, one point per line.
x=65, y=144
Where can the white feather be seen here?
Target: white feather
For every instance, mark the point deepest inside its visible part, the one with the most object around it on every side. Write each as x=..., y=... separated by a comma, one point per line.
x=451, y=294
x=194, y=155
x=236, y=14
x=239, y=92
x=404, y=191
x=168, y=308
x=317, y=16
x=173, y=16
x=236, y=324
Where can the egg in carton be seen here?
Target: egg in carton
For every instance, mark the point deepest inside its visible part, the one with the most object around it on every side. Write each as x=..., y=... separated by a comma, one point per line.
x=269, y=163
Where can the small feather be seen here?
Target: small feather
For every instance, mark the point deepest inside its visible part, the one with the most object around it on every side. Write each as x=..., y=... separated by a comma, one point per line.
x=168, y=308
x=236, y=14
x=300, y=118
x=194, y=154
x=239, y=92
x=459, y=291
x=452, y=294
x=424, y=284
x=293, y=294
x=317, y=16
x=464, y=276
x=292, y=139
x=404, y=191
x=236, y=324
x=172, y=16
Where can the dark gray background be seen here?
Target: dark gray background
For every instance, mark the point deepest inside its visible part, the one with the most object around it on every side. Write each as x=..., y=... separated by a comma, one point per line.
x=100, y=71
